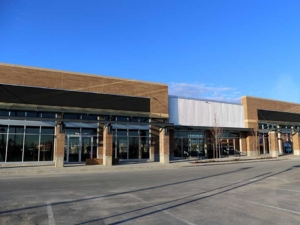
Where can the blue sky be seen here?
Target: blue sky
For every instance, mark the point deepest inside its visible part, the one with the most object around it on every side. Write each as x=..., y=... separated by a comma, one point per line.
x=207, y=49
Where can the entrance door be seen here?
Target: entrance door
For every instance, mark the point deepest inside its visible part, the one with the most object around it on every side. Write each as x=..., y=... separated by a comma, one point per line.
x=74, y=149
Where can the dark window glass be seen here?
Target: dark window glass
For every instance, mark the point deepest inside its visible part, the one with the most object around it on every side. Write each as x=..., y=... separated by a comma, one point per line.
x=15, y=148
x=3, y=137
x=122, y=119
x=89, y=131
x=17, y=113
x=16, y=129
x=144, y=133
x=4, y=113
x=32, y=130
x=47, y=130
x=31, y=148
x=144, y=120
x=89, y=117
x=47, y=115
x=121, y=132
x=134, y=119
x=3, y=129
x=32, y=114
x=72, y=116
x=73, y=131
x=181, y=134
x=46, y=148
x=133, y=133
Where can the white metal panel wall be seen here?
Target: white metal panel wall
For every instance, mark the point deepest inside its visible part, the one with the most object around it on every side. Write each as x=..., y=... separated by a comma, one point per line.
x=192, y=112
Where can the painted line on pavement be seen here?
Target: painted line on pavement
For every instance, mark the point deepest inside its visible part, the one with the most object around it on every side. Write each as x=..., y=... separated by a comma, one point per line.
x=50, y=214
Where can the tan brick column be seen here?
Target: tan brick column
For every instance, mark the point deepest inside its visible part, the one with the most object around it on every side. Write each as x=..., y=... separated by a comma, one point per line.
x=171, y=139
x=280, y=143
x=154, y=143
x=100, y=141
x=273, y=144
x=59, y=151
x=107, y=147
x=243, y=143
x=251, y=143
x=164, y=146
x=296, y=143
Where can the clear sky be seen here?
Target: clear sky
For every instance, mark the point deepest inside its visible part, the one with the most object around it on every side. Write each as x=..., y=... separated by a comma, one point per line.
x=207, y=49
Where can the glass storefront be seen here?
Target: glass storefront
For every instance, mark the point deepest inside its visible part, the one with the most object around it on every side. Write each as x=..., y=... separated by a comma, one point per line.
x=26, y=143
x=131, y=144
x=189, y=143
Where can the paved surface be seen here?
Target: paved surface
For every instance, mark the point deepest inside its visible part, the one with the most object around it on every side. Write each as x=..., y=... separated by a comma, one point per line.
x=265, y=192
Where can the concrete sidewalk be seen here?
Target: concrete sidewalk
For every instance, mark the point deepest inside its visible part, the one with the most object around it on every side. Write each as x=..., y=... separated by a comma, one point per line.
x=48, y=168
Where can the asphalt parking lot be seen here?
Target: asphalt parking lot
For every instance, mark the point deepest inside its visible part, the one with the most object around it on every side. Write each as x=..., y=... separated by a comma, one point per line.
x=266, y=192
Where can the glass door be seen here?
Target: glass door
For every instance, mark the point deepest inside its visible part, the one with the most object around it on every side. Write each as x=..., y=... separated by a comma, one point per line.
x=87, y=148
x=74, y=149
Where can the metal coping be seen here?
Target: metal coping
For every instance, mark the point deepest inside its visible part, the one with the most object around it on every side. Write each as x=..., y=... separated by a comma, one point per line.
x=206, y=100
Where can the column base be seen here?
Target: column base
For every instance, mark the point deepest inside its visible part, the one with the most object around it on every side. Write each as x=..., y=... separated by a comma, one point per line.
x=274, y=154
x=154, y=157
x=297, y=152
x=59, y=161
x=164, y=158
x=171, y=156
x=252, y=153
x=107, y=160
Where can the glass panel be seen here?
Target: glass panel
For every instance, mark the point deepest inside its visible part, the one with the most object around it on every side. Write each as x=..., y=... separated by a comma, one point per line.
x=31, y=148
x=17, y=113
x=3, y=137
x=133, y=133
x=48, y=115
x=32, y=114
x=95, y=147
x=144, y=147
x=178, y=147
x=134, y=148
x=3, y=129
x=74, y=149
x=89, y=131
x=287, y=144
x=16, y=130
x=121, y=132
x=181, y=134
x=185, y=142
x=144, y=133
x=15, y=148
x=32, y=130
x=4, y=113
x=122, y=147
x=46, y=148
x=72, y=116
x=86, y=149
x=47, y=130
x=194, y=147
x=89, y=117
x=73, y=131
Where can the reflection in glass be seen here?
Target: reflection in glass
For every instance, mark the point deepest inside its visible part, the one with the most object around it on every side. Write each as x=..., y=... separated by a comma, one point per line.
x=31, y=148
x=3, y=137
x=46, y=148
x=86, y=149
x=178, y=147
x=122, y=147
x=133, y=147
x=15, y=147
x=144, y=148
x=74, y=149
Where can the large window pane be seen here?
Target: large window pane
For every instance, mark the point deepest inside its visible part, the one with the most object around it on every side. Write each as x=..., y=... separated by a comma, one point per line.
x=73, y=131
x=133, y=147
x=3, y=137
x=32, y=130
x=17, y=113
x=16, y=129
x=122, y=147
x=15, y=148
x=46, y=148
x=47, y=130
x=31, y=147
x=144, y=147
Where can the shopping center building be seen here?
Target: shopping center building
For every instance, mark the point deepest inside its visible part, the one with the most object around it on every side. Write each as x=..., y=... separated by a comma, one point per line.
x=64, y=117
